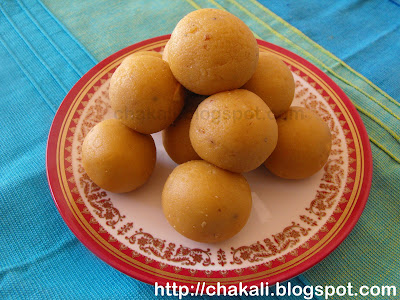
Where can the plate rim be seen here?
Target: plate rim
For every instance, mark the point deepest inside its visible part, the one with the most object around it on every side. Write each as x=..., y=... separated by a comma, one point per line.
x=144, y=275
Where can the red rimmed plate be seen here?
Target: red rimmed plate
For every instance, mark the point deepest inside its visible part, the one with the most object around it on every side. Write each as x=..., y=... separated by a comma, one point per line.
x=293, y=224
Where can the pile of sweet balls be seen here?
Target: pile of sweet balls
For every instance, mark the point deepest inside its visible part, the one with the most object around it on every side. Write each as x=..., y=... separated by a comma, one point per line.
x=223, y=108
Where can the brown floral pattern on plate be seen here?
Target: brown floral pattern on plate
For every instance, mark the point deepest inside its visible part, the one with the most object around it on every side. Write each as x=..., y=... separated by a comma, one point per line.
x=159, y=248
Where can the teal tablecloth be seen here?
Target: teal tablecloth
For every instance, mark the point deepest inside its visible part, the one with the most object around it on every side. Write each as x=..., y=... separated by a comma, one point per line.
x=46, y=47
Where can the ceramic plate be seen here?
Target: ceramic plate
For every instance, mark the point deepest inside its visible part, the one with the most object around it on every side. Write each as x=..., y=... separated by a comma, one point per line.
x=293, y=224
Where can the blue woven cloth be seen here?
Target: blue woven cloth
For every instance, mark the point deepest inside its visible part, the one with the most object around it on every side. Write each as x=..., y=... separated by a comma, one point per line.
x=40, y=60
x=364, y=34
